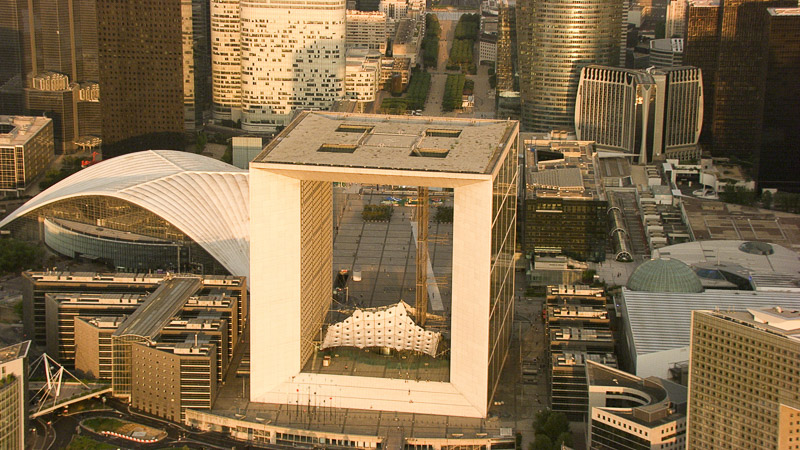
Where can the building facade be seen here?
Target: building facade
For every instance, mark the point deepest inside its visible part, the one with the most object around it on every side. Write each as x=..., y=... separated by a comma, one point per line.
x=367, y=30
x=666, y=53
x=557, y=39
x=295, y=174
x=26, y=150
x=14, y=395
x=506, y=67
x=226, y=68
x=292, y=57
x=363, y=75
x=629, y=412
x=743, y=391
x=651, y=114
x=140, y=50
x=196, y=43
x=51, y=67
x=677, y=14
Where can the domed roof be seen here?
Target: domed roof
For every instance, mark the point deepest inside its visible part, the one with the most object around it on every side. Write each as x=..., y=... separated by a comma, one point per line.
x=664, y=275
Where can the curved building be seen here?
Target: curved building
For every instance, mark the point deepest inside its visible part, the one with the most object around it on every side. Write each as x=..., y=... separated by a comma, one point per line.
x=226, y=68
x=149, y=210
x=557, y=38
x=292, y=57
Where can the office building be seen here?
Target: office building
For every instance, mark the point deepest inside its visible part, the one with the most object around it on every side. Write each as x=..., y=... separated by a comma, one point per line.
x=407, y=39
x=566, y=212
x=626, y=411
x=487, y=48
x=363, y=75
x=290, y=61
x=140, y=51
x=743, y=390
x=506, y=67
x=677, y=15
x=393, y=68
x=226, y=68
x=648, y=115
x=367, y=30
x=578, y=326
x=153, y=210
x=196, y=50
x=26, y=150
x=666, y=53
x=14, y=395
x=732, y=40
x=292, y=256
x=50, y=67
x=555, y=39
x=781, y=140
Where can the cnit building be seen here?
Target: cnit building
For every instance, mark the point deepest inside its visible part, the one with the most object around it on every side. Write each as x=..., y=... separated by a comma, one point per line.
x=292, y=243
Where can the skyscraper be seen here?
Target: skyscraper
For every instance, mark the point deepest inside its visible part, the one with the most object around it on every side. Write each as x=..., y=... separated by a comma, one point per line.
x=730, y=43
x=289, y=55
x=226, y=68
x=743, y=385
x=140, y=52
x=780, y=151
x=677, y=11
x=196, y=61
x=506, y=67
x=50, y=66
x=653, y=113
x=555, y=39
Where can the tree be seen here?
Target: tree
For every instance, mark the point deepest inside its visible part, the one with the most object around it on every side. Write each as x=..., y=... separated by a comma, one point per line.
x=201, y=142
x=556, y=424
x=766, y=199
x=16, y=255
x=541, y=442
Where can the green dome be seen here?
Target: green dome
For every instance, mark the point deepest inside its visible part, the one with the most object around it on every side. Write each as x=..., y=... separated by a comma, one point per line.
x=664, y=275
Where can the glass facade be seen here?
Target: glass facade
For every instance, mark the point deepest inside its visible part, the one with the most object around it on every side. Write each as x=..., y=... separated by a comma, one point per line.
x=10, y=406
x=576, y=228
x=121, y=357
x=119, y=233
x=555, y=39
x=504, y=237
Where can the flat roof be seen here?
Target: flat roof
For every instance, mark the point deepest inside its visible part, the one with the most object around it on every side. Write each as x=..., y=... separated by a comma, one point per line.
x=784, y=11
x=726, y=252
x=160, y=307
x=431, y=144
x=17, y=130
x=663, y=321
x=12, y=352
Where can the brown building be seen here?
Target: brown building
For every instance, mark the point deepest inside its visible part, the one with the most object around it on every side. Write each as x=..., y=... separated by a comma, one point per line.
x=93, y=345
x=168, y=378
x=780, y=153
x=743, y=379
x=730, y=43
x=142, y=78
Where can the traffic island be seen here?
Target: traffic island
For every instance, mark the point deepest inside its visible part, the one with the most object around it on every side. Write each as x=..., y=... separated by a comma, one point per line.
x=110, y=426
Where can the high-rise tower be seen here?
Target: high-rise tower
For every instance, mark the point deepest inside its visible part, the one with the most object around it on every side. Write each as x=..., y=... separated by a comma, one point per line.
x=289, y=56
x=140, y=52
x=555, y=39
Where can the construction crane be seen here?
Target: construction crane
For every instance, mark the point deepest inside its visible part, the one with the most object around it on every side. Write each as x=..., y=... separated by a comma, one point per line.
x=421, y=301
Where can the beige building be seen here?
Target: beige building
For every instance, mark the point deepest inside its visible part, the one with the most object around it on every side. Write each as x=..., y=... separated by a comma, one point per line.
x=743, y=379
x=367, y=30
x=13, y=395
x=392, y=66
x=26, y=149
x=362, y=75
x=408, y=39
x=93, y=345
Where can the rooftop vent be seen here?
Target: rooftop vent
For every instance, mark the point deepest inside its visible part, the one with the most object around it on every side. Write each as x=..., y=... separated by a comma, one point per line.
x=430, y=152
x=441, y=132
x=337, y=148
x=354, y=128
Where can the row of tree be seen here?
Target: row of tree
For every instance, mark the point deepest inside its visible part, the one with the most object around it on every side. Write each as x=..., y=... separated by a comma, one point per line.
x=453, y=91
x=462, y=50
x=430, y=43
x=415, y=98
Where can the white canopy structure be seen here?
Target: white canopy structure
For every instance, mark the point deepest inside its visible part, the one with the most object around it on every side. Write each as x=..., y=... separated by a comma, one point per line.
x=205, y=198
x=389, y=326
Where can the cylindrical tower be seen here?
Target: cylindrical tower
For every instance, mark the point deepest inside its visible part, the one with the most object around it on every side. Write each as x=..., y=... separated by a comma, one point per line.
x=226, y=68
x=562, y=36
x=293, y=57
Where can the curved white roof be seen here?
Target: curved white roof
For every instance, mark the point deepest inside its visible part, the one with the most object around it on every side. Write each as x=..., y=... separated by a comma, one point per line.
x=204, y=198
